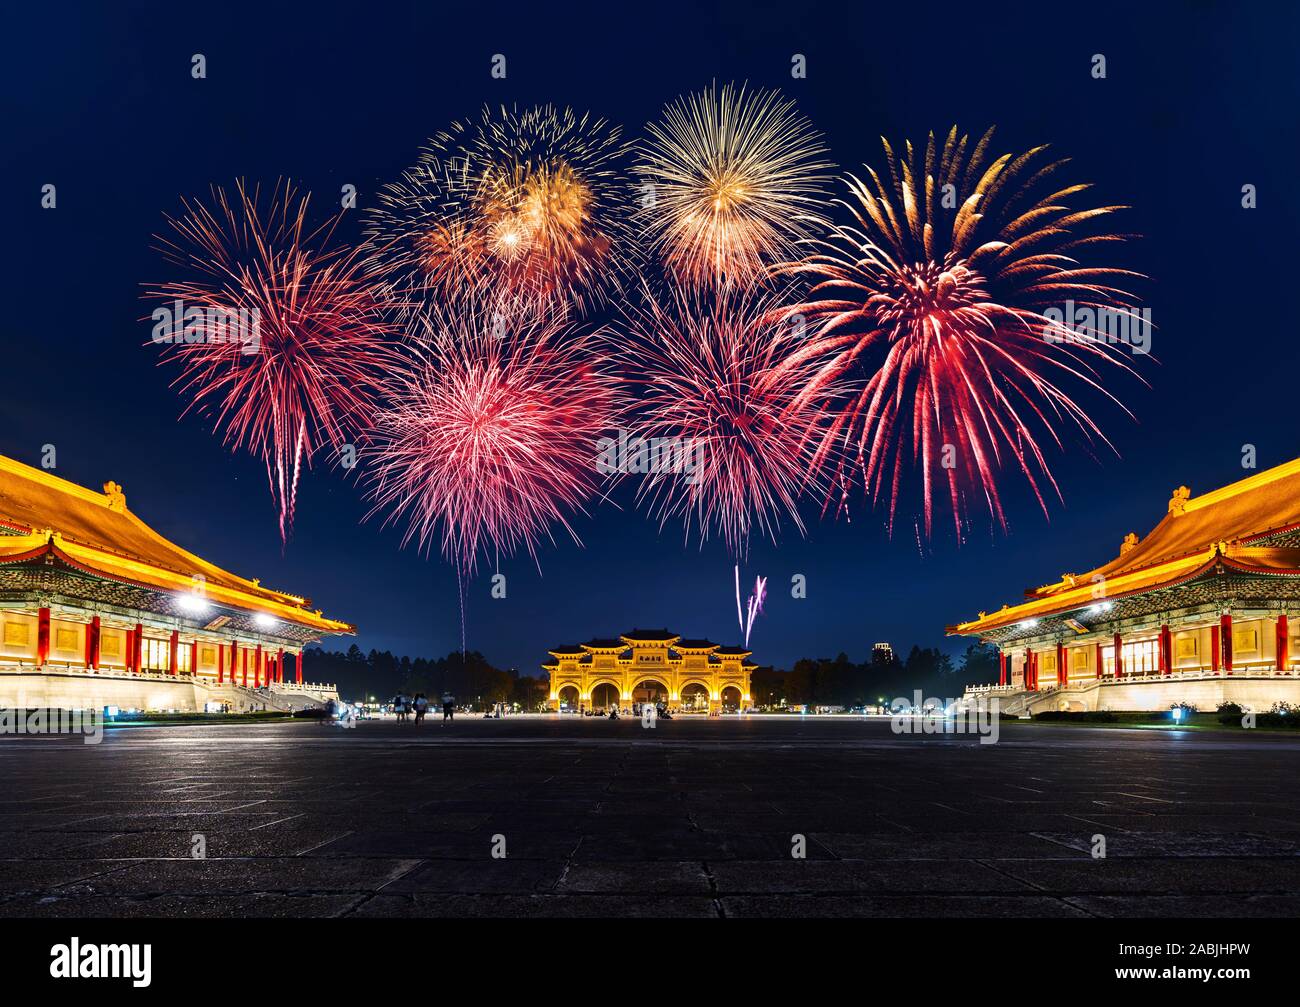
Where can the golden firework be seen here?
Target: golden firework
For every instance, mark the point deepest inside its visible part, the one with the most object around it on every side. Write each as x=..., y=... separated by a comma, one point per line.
x=732, y=180
x=533, y=204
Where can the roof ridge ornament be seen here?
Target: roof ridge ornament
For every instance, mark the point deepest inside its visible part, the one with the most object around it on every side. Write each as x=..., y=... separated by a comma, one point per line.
x=1131, y=539
x=116, y=498
x=1178, y=502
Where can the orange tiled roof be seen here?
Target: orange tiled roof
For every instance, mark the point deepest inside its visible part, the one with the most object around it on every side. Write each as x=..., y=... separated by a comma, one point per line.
x=96, y=532
x=1223, y=522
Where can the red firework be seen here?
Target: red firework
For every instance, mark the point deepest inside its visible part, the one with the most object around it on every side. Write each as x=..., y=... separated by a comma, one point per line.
x=310, y=345
x=490, y=438
x=938, y=292
x=732, y=430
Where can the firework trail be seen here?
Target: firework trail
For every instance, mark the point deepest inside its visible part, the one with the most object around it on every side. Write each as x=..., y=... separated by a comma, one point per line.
x=732, y=179
x=533, y=203
x=753, y=606
x=737, y=435
x=937, y=293
x=489, y=439
x=309, y=372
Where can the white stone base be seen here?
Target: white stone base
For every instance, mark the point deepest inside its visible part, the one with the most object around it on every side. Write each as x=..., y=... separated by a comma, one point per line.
x=79, y=690
x=1252, y=691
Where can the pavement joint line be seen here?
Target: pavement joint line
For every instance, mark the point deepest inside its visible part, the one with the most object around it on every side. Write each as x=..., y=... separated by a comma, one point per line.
x=415, y=865
x=278, y=821
x=568, y=862
x=718, y=907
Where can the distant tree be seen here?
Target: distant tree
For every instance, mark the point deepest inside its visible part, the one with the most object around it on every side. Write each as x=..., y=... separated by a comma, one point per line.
x=979, y=665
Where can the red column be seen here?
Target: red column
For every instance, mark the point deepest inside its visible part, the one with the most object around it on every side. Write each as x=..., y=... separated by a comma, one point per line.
x=1062, y=679
x=234, y=660
x=1225, y=635
x=1099, y=663
x=92, y=644
x=42, y=636
x=138, y=647
x=173, y=653
x=1002, y=666
x=279, y=666
x=245, y=668
x=1283, y=643
x=297, y=666
x=194, y=657
x=1216, y=650
x=1166, y=650
x=129, y=656
x=221, y=664
x=1119, y=658
x=257, y=667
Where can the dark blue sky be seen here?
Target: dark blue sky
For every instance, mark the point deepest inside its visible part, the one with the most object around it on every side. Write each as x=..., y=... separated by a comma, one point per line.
x=1198, y=101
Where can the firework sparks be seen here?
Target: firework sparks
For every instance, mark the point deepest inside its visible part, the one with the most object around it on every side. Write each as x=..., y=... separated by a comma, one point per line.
x=753, y=606
x=489, y=440
x=939, y=289
x=726, y=387
x=736, y=179
x=309, y=370
x=533, y=203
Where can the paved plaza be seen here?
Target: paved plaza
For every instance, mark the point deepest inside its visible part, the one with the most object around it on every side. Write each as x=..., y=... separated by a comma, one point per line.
x=692, y=818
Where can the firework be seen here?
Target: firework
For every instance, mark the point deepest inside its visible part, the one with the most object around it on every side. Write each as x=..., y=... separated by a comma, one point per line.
x=490, y=438
x=303, y=365
x=937, y=294
x=732, y=180
x=753, y=606
x=532, y=203
x=727, y=413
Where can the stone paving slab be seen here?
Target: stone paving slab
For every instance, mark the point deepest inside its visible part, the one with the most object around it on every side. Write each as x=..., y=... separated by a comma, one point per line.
x=693, y=819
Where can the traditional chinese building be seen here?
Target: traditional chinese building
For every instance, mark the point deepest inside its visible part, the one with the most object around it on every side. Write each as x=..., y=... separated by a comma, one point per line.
x=650, y=665
x=1205, y=609
x=97, y=609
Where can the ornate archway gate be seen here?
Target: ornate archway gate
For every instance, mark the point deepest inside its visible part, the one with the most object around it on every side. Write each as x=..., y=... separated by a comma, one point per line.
x=650, y=655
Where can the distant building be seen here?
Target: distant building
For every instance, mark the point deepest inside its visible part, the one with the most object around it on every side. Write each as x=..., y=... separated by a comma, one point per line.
x=882, y=653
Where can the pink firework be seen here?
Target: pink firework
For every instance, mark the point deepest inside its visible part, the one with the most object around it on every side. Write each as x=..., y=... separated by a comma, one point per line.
x=733, y=430
x=753, y=607
x=282, y=341
x=940, y=294
x=490, y=438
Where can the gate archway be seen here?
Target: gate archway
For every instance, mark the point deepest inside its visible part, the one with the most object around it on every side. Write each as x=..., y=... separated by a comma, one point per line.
x=650, y=690
x=695, y=697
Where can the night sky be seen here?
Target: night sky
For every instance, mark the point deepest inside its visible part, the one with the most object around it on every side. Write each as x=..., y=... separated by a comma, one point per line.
x=1199, y=100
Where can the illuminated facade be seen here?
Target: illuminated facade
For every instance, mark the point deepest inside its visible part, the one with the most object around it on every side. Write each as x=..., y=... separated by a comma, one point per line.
x=1204, y=610
x=96, y=609
x=649, y=666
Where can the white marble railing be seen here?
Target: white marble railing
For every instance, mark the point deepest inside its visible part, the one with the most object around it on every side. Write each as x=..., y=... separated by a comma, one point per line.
x=1265, y=670
x=303, y=687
